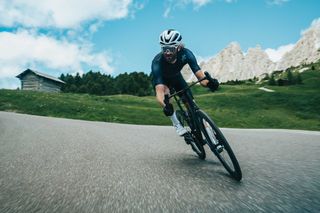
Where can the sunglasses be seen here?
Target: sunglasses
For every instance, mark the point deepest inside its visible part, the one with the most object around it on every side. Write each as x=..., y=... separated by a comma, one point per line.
x=169, y=49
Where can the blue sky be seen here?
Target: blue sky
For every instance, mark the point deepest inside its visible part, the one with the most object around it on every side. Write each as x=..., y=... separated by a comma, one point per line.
x=122, y=36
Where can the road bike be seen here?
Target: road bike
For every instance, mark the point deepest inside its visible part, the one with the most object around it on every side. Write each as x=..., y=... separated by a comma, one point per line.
x=202, y=130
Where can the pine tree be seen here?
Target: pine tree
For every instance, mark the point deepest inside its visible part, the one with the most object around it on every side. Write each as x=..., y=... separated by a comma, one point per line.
x=290, y=77
x=272, y=81
x=299, y=79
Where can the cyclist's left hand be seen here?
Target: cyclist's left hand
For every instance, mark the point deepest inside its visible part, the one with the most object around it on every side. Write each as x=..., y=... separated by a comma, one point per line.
x=213, y=84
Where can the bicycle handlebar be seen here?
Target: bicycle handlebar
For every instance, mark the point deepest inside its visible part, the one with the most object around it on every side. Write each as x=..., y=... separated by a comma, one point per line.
x=207, y=77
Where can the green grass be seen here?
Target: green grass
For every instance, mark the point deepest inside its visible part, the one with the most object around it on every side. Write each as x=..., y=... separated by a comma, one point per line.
x=238, y=106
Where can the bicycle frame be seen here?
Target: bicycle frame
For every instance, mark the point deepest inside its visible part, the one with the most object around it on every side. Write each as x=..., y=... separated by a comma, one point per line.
x=191, y=106
x=190, y=113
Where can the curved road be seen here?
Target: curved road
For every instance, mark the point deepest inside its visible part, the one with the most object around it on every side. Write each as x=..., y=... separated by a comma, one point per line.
x=62, y=165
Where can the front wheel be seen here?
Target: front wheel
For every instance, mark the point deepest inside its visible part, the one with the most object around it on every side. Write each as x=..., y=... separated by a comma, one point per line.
x=219, y=145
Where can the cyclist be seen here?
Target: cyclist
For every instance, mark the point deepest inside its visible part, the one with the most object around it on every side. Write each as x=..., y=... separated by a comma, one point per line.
x=166, y=72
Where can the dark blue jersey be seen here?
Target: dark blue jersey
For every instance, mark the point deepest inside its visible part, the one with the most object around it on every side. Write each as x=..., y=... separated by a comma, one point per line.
x=163, y=72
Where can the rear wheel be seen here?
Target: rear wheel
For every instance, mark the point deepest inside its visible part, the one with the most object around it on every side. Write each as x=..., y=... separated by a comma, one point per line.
x=219, y=145
x=190, y=138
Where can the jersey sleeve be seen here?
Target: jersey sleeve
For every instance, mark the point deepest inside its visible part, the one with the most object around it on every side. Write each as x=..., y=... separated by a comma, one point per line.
x=192, y=61
x=156, y=71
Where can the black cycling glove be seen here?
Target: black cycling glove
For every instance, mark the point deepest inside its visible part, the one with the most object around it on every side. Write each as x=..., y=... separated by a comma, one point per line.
x=213, y=84
x=168, y=109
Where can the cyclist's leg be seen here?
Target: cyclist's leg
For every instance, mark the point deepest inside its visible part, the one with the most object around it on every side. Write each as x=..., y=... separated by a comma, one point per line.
x=171, y=84
x=179, y=84
x=187, y=98
x=161, y=91
x=188, y=101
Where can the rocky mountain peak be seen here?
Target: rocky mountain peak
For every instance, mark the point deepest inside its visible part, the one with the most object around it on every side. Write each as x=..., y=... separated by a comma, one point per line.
x=232, y=63
x=306, y=50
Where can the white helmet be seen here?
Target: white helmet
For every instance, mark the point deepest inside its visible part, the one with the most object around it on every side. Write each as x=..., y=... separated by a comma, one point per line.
x=170, y=37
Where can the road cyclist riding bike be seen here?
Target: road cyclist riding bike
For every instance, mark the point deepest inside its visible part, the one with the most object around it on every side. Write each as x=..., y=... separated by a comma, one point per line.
x=193, y=124
x=166, y=71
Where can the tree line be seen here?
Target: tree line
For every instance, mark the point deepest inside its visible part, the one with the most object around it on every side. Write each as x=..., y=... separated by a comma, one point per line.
x=135, y=83
x=288, y=79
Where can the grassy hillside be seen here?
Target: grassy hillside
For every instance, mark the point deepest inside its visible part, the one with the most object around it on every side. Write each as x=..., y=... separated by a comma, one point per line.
x=241, y=106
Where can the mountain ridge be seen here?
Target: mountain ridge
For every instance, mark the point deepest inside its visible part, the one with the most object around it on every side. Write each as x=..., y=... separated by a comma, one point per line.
x=231, y=63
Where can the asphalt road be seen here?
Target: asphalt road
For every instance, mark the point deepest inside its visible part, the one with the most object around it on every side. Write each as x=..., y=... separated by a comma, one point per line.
x=61, y=165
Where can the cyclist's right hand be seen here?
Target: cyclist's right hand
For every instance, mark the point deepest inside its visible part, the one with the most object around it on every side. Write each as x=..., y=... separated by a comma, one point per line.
x=168, y=109
x=213, y=84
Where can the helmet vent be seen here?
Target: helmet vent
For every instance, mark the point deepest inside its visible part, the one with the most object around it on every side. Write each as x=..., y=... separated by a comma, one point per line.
x=170, y=37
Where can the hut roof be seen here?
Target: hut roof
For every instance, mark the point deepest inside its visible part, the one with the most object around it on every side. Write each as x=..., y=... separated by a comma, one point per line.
x=39, y=74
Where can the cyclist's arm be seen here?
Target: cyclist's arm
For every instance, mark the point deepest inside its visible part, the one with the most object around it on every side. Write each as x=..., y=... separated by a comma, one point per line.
x=200, y=74
x=192, y=61
x=157, y=80
x=161, y=90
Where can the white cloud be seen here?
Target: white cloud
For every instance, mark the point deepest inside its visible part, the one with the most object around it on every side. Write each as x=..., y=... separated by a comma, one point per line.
x=200, y=3
x=277, y=2
x=9, y=83
x=61, y=22
x=60, y=13
x=201, y=59
x=171, y=5
x=25, y=49
x=166, y=13
x=314, y=25
x=275, y=55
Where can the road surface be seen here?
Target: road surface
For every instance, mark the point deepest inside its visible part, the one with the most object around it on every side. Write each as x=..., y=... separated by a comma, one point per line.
x=63, y=165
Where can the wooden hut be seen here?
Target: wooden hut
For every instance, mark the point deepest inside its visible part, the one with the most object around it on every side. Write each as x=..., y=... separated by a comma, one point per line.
x=37, y=81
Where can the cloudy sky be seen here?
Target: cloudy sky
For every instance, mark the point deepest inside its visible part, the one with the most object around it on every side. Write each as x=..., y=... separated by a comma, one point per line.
x=120, y=36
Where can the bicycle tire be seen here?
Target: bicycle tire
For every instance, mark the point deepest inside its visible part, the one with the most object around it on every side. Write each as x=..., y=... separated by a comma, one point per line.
x=195, y=144
x=231, y=164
